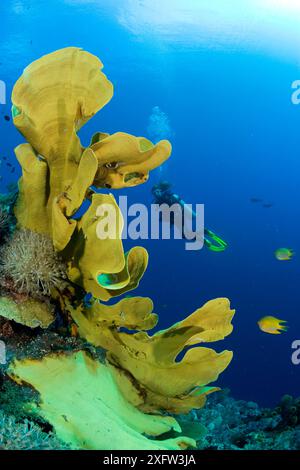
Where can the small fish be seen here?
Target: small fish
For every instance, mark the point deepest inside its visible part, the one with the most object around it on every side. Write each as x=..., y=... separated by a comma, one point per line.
x=272, y=325
x=9, y=164
x=256, y=200
x=284, y=254
x=7, y=118
x=268, y=205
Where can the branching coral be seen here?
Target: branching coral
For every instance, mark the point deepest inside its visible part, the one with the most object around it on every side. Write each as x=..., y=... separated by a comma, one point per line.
x=30, y=262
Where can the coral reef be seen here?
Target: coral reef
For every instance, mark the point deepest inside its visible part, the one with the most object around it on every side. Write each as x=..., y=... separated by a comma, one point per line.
x=137, y=366
x=224, y=424
x=7, y=219
x=289, y=410
x=241, y=425
x=28, y=312
x=123, y=381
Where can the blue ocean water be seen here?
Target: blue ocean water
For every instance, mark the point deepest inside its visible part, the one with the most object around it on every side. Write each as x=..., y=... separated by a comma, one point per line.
x=224, y=82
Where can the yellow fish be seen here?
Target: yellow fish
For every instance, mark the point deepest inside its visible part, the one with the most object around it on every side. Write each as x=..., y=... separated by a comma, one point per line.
x=272, y=325
x=284, y=254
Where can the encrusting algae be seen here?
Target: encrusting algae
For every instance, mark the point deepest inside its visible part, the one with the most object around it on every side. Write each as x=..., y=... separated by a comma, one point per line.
x=128, y=395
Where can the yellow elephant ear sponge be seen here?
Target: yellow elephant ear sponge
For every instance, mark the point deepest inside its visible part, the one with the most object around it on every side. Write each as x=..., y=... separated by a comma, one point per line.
x=80, y=398
x=125, y=160
x=149, y=364
x=55, y=96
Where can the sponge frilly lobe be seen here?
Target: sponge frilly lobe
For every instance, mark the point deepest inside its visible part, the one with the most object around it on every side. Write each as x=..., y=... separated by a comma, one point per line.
x=151, y=361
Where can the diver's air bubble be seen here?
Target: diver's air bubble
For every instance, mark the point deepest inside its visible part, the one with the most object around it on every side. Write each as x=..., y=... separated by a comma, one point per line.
x=159, y=127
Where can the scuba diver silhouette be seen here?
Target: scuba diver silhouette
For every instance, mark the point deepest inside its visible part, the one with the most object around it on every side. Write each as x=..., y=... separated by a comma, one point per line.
x=164, y=195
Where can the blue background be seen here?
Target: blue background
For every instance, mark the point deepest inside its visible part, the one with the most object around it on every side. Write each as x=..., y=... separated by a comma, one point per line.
x=235, y=136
